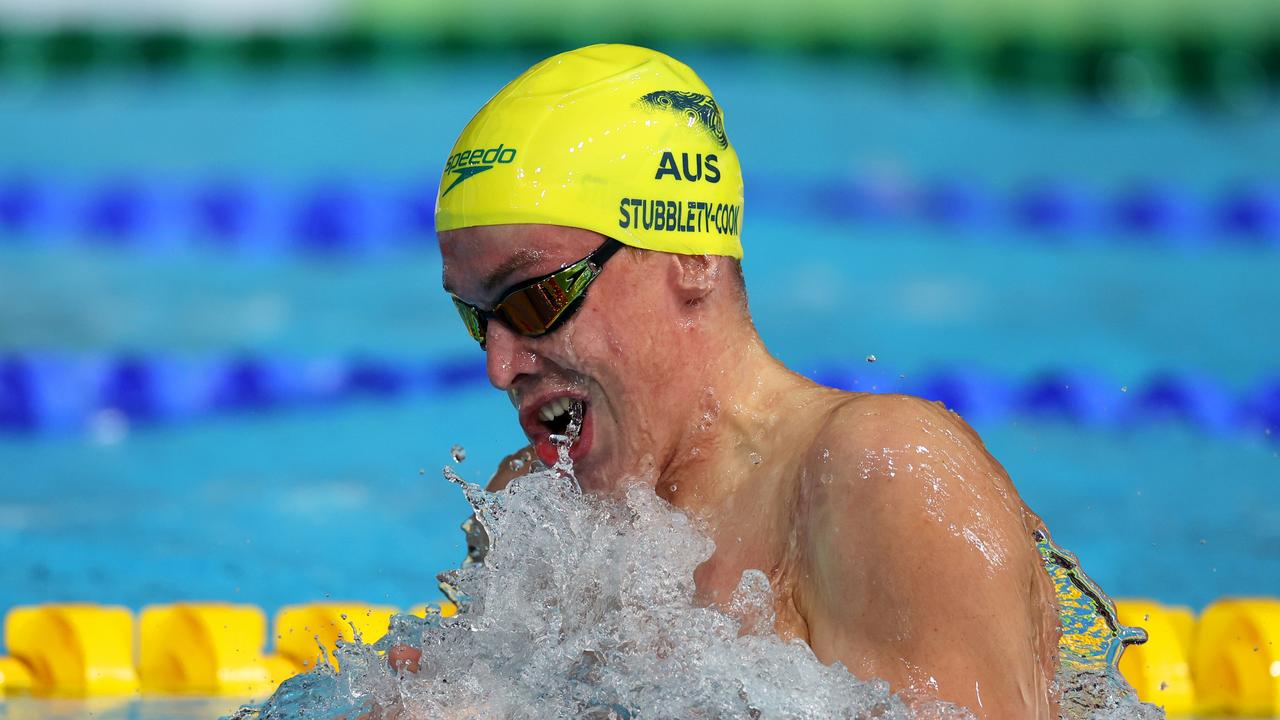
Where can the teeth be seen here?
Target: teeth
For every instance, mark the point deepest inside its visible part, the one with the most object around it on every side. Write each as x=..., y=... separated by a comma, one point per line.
x=555, y=409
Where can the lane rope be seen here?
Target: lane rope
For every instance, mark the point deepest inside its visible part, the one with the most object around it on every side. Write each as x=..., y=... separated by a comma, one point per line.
x=349, y=218
x=54, y=393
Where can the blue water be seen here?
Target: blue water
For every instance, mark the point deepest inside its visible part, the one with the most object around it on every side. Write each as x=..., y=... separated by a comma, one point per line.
x=346, y=501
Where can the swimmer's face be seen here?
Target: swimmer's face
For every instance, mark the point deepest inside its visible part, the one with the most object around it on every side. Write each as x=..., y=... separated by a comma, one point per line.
x=615, y=354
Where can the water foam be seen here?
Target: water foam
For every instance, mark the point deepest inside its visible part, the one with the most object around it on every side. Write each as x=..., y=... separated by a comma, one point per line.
x=585, y=608
x=1100, y=695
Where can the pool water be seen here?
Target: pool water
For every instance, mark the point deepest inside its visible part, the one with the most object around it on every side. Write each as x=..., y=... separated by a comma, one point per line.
x=346, y=501
x=133, y=708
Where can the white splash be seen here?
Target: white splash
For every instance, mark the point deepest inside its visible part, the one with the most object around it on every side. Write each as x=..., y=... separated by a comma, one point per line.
x=1091, y=695
x=585, y=608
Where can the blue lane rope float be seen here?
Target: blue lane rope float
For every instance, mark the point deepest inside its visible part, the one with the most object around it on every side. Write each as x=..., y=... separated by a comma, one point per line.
x=1080, y=397
x=328, y=217
x=60, y=393
x=49, y=393
x=347, y=217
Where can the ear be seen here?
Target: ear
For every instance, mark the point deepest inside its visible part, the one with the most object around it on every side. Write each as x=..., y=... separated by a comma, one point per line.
x=693, y=276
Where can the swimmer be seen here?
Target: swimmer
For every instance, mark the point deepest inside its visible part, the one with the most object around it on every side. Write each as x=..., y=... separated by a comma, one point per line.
x=590, y=221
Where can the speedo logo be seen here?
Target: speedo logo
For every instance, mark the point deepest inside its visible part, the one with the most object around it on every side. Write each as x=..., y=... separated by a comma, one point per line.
x=469, y=163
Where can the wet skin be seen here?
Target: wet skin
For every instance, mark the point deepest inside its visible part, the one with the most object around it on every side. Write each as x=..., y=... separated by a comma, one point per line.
x=895, y=543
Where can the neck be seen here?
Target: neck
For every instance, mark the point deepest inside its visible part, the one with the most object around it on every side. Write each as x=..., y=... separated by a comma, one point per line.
x=737, y=423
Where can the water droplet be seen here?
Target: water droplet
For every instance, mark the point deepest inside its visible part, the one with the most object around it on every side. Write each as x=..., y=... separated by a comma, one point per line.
x=755, y=458
x=459, y=454
x=871, y=358
x=1124, y=388
x=516, y=464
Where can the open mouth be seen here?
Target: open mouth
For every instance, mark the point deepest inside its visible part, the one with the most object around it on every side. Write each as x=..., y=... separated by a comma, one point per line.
x=558, y=415
x=557, y=421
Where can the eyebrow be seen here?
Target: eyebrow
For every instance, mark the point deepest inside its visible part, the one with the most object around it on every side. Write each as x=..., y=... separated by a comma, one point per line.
x=522, y=259
x=497, y=277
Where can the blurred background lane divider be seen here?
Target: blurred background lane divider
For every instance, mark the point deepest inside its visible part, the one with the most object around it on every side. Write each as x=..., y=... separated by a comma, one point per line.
x=1229, y=652
x=105, y=394
x=360, y=217
x=189, y=648
x=1221, y=55
x=79, y=648
x=207, y=648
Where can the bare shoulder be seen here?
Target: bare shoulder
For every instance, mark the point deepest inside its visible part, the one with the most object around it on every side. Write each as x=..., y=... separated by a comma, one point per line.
x=887, y=421
x=905, y=480
x=917, y=549
x=914, y=454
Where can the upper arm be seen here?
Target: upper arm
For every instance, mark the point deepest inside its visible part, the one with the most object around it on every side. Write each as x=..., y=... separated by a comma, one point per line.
x=923, y=570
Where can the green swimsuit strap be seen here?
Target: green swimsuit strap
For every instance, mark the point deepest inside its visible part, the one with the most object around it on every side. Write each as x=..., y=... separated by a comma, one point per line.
x=1092, y=636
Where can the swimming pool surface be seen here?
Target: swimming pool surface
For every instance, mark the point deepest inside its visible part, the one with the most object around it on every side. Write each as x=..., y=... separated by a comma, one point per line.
x=151, y=708
x=346, y=501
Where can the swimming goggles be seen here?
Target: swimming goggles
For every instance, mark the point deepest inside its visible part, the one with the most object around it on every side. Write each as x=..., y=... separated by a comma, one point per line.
x=536, y=307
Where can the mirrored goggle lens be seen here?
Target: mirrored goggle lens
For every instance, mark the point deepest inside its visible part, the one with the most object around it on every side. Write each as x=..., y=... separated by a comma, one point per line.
x=471, y=319
x=534, y=310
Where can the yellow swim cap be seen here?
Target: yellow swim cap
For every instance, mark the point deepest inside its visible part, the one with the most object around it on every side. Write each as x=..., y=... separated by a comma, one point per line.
x=617, y=139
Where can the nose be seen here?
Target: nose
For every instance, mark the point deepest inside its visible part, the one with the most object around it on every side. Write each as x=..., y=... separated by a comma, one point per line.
x=507, y=356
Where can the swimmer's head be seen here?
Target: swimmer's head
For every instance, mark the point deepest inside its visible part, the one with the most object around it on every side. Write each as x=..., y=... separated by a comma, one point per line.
x=607, y=144
x=617, y=139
